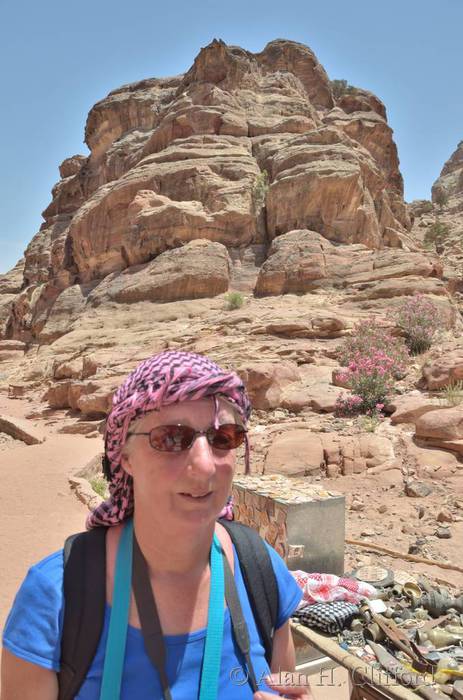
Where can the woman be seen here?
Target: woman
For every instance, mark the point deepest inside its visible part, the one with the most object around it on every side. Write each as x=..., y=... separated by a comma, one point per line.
x=170, y=448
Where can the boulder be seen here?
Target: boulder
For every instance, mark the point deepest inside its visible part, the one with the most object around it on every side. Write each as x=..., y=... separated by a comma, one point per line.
x=443, y=368
x=407, y=409
x=443, y=424
x=21, y=430
x=295, y=453
x=198, y=269
x=417, y=489
x=301, y=261
x=95, y=405
x=265, y=381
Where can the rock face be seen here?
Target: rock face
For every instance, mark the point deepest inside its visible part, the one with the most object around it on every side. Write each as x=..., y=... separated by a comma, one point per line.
x=450, y=182
x=302, y=261
x=179, y=159
x=197, y=269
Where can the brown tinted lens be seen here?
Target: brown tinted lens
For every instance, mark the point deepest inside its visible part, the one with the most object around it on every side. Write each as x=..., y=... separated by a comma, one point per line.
x=226, y=437
x=171, y=438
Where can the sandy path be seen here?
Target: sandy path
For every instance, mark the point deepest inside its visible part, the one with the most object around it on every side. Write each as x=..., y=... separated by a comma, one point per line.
x=37, y=508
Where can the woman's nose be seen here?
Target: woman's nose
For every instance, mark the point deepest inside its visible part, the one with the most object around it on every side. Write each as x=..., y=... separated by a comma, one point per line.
x=200, y=456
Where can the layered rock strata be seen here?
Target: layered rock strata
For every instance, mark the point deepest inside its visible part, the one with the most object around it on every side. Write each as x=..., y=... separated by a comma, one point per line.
x=241, y=149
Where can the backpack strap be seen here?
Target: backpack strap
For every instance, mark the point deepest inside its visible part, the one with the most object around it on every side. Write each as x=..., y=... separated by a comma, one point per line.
x=85, y=598
x=259, y=579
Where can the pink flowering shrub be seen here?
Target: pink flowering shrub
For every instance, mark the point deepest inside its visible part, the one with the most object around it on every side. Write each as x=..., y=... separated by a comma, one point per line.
x=367, y=337
x=419, y=320
x=373, y=360
x=350, y=405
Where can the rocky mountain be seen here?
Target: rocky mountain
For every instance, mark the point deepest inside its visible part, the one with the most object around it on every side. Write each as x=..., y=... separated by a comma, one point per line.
x=250, y=172
x=178, y=159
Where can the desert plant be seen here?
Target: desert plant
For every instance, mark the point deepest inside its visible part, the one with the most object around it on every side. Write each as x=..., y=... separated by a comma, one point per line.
x=350, y=405
x=235, y=300
x=99, y=485
x=436, y=234
x=426, y=207
x=341, y=87
x=367, y=337
x=440, y=197
x=261, y=185
x=419, y=320
x=373, y=359
x=370, y=422
x=452, y=394
x=371, y=379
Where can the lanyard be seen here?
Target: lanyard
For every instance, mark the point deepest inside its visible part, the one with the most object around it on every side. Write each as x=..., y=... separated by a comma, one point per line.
x=117, y=633
x=128, y=553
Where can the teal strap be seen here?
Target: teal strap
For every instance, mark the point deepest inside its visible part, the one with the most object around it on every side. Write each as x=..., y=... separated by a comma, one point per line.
x=117, y=634
x=215, y=620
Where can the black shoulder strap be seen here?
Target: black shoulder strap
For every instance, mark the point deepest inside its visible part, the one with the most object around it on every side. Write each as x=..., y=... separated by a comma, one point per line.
x=84, y=607
x=85, y=597
x=259, y=579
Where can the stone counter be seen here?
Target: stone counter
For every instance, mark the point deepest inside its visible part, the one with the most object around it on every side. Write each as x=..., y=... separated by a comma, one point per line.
x=304, y=522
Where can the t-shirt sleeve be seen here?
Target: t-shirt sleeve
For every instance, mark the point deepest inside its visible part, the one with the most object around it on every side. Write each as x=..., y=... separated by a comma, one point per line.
x=33, y=627
x=289, y=593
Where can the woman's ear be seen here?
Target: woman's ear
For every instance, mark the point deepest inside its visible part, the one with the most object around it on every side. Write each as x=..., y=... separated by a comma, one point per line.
x=125, y=460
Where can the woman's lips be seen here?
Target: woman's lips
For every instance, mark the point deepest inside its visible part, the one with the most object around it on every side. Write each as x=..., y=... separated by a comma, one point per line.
x=196, y=497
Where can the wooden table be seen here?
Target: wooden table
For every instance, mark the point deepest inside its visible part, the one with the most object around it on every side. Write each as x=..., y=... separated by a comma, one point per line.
x=366, y=683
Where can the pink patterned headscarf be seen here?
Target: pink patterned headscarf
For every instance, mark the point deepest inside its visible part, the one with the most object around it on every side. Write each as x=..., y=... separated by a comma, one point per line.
x=165, y=378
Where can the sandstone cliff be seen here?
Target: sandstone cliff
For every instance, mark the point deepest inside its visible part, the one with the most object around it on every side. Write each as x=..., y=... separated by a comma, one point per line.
x=450, y=182
x=178, y=159
x=250, y=172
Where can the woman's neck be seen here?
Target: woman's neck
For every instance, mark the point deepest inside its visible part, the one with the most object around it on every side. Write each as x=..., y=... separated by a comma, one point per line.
x=181, y=552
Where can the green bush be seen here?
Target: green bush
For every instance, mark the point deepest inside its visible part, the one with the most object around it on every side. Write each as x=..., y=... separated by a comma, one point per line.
x=371, y=422
x=436, y=234
x=235, y=300
x=341, y=87
x=99, y=485
x=426, y=207
x=440, y=197
x=260, y=190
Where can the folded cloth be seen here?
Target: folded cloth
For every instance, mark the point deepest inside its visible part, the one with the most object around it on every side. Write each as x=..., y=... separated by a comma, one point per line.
x=327, y=617
x=323, y=588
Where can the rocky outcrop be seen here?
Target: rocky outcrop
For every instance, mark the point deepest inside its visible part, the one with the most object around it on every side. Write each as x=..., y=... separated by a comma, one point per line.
x=198, y=269
x=444, y=367
x=303, y=261
x=447, y=191
x=21, y=430
x=265, y=382
x=10, y=286
x=178, y=159
x=301, y=452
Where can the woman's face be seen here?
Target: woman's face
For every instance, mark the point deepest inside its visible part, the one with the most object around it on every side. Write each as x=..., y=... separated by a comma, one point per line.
x=189, y=487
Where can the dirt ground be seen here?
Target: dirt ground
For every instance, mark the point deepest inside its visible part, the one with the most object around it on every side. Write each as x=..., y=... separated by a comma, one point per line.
x=38, y=509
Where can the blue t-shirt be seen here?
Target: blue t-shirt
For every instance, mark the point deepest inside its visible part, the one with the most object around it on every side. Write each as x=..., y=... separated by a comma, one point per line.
x=33, y=633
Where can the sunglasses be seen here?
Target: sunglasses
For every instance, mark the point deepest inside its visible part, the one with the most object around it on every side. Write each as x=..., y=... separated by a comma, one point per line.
x=176, y=438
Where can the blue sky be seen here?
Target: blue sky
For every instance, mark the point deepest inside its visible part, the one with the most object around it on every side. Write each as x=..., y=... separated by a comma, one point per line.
x=59, y=58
